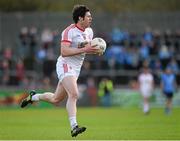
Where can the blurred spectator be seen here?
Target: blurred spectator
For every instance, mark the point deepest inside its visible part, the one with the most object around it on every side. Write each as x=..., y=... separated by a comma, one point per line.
x=131, y=58
x=177, y=41
x=7, y=54
x=173, y=66
x=125, y=50
x=5, y=68
x=24, y=42
x=157, y=66
x=20, y=71
x=33, y=40
x=144, y=50
x=116, y=35
x=41, y=55
x=23, y=35
x=55, y=42
x=47, y=38
x=92, y=91
x=48, y=68
x=114, y=56
x=105, y=91
x=164, y=55
x=148, y=36
x=154, y=45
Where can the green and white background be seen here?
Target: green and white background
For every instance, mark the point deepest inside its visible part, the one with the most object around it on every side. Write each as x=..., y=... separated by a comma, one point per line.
x=123, y=121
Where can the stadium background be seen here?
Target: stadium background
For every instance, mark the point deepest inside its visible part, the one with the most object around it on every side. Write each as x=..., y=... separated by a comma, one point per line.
x=29, y=46
x=28, y=59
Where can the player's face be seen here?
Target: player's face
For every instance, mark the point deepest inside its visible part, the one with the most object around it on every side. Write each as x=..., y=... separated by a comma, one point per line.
x=87, y=20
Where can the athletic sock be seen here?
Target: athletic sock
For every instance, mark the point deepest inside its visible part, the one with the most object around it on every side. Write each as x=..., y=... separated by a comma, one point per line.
x=73, y=122
x=146, y=108
x=35, y=97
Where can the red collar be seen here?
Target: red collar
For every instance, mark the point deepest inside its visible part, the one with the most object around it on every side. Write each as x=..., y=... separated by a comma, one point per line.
x=80, y=28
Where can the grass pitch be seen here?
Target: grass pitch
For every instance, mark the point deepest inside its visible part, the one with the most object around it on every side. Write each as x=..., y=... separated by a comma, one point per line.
x=102, y=124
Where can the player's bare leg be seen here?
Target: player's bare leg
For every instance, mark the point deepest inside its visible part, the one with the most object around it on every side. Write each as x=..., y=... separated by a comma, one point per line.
x=56, y=97
x=168, y=106
x=53, y=98
x=70, y=85
x=146, y=107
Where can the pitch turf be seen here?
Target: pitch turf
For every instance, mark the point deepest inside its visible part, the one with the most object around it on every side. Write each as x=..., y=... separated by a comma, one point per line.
x=102, y=124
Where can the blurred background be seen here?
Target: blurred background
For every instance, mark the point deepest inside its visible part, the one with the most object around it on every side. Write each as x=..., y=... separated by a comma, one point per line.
x=136, y=32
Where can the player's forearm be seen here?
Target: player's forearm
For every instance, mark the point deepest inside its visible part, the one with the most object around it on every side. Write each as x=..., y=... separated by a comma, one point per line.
x=69, y=51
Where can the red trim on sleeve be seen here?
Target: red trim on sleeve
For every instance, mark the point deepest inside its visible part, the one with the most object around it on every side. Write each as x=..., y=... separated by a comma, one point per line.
x=66, y=41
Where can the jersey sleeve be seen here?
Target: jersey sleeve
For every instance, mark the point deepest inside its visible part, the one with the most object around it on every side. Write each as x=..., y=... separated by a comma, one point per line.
x=66, y=36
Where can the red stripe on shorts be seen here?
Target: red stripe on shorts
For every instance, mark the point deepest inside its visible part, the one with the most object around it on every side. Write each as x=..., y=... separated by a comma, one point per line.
x=65, y=68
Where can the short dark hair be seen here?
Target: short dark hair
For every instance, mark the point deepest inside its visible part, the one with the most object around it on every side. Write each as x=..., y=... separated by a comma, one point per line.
x=79, y=11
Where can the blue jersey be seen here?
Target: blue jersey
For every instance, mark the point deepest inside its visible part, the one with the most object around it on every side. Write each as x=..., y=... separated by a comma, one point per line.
x=168, y=81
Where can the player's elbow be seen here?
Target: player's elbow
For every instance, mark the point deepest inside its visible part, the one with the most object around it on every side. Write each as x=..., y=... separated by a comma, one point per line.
x=64, y=53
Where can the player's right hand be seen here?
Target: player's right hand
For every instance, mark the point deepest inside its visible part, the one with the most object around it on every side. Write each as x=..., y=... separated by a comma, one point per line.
x=90, y=49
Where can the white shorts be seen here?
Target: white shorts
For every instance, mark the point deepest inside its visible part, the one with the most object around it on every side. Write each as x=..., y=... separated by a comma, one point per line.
x=146, y=93
x=63, y=70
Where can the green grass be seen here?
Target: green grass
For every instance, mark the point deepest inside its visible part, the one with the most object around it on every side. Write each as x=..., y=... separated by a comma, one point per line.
x=102, y=124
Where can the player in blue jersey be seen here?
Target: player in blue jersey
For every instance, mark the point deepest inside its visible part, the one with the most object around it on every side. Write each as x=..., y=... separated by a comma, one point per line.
x=168, y=85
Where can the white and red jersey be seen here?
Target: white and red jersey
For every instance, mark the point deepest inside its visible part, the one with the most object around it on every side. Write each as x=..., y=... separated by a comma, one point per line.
x=146, y=82
x=75, y=35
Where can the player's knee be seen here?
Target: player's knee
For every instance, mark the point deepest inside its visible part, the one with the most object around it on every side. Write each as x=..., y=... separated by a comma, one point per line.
x=73, y=95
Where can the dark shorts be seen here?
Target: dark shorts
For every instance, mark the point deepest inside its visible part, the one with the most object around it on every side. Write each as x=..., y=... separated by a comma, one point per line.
x=168, y=94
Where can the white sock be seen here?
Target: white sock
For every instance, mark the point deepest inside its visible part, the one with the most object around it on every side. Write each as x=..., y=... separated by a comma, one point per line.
x=35, y=97
x=73, y=122
x=146, y=108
